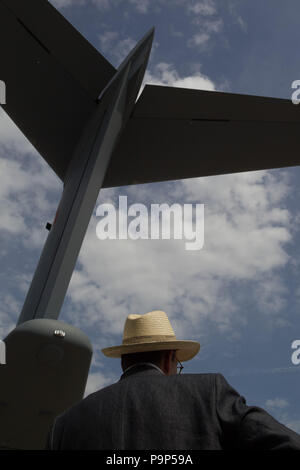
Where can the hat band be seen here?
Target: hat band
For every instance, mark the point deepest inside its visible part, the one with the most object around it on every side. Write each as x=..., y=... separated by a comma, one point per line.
x=149, y=338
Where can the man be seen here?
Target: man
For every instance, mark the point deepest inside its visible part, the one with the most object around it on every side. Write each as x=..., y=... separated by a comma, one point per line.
x=153, y=407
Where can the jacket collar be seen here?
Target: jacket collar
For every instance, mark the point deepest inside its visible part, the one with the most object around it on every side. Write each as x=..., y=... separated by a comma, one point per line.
x=145, y=368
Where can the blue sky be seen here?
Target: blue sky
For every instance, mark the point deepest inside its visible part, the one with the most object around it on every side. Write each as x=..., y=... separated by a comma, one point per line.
x=238, y=296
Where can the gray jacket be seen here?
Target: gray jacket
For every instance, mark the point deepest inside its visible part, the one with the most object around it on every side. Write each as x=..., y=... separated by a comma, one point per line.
x=148, y=410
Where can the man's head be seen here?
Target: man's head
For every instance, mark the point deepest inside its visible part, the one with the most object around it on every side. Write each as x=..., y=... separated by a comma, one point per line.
x=165, y=360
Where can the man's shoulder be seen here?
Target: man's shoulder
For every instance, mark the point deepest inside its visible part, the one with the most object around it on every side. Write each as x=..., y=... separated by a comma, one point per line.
x=203, y=381
x=84, y=404
x=202, y=378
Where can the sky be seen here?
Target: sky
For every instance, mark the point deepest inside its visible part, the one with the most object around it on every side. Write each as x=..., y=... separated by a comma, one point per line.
x=239, y=295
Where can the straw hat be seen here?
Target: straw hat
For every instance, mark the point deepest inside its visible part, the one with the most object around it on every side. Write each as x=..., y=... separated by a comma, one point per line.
x=152, y=332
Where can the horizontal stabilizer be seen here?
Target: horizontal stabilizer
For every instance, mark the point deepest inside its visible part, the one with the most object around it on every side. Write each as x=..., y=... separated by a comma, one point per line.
x=53, y=77
x=177, y=133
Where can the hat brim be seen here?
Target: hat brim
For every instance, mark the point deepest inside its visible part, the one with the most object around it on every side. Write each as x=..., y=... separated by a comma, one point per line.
x=186, y=350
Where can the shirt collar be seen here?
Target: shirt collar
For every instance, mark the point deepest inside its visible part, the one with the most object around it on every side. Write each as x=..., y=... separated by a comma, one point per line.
x=144, y=364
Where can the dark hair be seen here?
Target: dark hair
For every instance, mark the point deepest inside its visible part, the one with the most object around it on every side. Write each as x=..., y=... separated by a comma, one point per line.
x=155, y=357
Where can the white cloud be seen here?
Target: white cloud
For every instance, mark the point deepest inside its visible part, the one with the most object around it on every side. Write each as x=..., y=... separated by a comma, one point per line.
x=9, y=311
x=11, y=138
x=272, y=298
x=26, y=182
x=25, y=197
x=165, y=74
x=232, y=7
x=205, y=8
x=245, y=237
x=278, y=408
x=206, y=28
x=107, y=39
x=123, y=48
x=242, y=23
x=200, y=38
x=276, y=403
x=117, y=49
x=66, y=3
x=207, y=22
x=141, y=5
x=103, y=4
x=215, y=26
